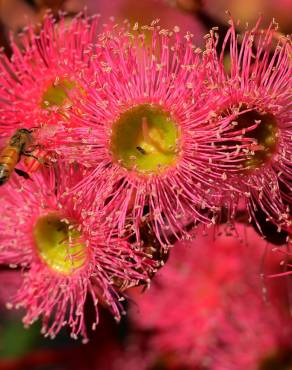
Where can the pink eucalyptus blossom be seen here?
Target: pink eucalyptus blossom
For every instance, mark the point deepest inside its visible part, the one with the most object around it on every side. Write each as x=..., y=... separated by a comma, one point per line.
x=42, y=79
x=250, y=108
x=141, y=97
x=64, y=254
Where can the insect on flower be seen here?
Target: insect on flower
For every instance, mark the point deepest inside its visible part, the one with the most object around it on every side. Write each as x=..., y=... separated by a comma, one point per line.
x=146, y=140
x=11, y=154
x=48, y=66
x=66, y=255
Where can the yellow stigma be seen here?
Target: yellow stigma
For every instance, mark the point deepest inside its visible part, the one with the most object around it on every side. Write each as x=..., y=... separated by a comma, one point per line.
x=59, y=244
x=145, y=139
x=56, y=94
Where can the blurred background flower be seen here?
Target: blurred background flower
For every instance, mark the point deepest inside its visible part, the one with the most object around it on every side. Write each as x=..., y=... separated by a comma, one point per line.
x=206, y=308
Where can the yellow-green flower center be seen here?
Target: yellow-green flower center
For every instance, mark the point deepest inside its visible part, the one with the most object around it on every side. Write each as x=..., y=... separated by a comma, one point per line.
x=59, y=243
x=145, y=139
x=265, y=136
x=261, y=128
x=57, y=94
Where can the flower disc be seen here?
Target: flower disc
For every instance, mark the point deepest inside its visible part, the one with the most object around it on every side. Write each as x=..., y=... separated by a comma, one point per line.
x=59, y=244
x=145, y=139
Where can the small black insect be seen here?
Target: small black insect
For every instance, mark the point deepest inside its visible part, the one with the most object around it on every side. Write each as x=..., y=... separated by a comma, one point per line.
x=141, y=150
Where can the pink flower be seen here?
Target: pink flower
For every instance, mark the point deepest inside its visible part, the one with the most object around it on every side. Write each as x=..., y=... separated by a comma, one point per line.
x=40, y=83
x=64, y=253
x=250, y=108
x=206, y=307
x=149, y=152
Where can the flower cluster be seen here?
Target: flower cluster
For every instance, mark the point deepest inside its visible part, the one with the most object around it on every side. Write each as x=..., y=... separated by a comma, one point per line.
x=128, y=138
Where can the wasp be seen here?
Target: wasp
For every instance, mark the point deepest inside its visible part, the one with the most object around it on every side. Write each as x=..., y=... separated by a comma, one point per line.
x=11, y=154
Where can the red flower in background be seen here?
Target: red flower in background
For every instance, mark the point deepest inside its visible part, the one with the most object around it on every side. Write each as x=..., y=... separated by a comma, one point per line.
x=205, y=309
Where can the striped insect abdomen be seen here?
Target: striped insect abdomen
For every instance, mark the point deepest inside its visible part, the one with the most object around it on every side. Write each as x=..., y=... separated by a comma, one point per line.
x=8, y=160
